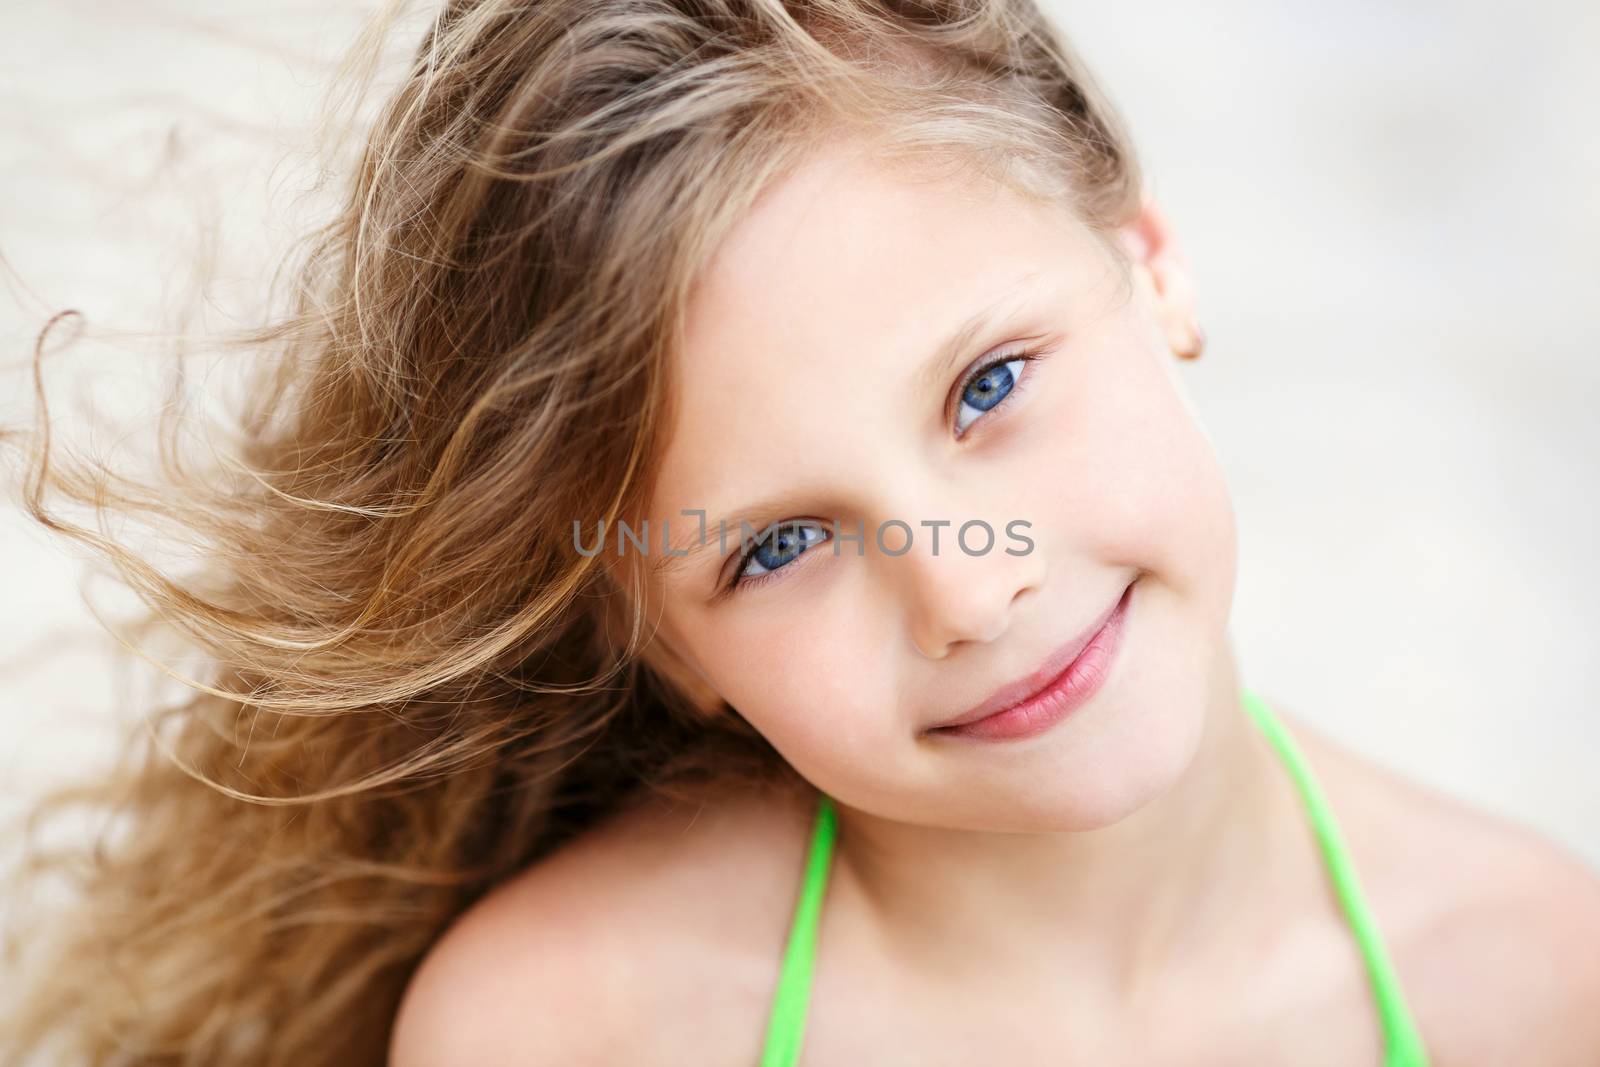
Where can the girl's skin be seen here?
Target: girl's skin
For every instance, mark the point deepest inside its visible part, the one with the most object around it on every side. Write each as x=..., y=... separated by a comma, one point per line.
x=1139, y=883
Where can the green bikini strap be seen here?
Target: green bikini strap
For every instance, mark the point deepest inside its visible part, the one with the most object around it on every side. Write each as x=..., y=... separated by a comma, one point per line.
x=1401, y=1039
x=787, y=1022
x=1403, y=1042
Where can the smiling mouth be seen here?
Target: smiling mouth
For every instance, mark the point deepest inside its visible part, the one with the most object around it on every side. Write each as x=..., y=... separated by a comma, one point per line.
x=1067, y=679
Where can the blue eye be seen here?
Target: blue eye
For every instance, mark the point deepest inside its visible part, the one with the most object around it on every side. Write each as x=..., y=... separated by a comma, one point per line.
x=988, y=388
x=778, y=549
x=983, y=391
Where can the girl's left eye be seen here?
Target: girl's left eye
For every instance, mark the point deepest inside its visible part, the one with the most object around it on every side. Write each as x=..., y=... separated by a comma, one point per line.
x=988, y=387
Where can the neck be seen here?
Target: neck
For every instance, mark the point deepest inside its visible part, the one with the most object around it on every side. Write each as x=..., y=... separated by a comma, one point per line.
x=1120, y=902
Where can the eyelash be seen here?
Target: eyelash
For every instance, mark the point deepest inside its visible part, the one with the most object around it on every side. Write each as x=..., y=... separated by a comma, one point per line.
x=1025, y=354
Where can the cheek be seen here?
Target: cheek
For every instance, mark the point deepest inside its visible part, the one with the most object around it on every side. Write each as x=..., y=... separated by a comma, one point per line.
x=821, y=690
x=1136, y=481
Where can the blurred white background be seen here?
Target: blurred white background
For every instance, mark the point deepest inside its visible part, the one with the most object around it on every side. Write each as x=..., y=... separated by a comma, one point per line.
x=1392, y=215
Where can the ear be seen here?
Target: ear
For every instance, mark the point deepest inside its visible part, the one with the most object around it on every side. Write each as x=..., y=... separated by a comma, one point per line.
x=662, y=656
x=660, y=652
x=1155, y=254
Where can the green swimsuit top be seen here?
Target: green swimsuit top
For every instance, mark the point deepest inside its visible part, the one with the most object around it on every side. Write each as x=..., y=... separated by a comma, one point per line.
x=1402, y=1041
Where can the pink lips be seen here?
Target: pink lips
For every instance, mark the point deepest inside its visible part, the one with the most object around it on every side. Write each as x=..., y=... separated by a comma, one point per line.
x=1066, y=680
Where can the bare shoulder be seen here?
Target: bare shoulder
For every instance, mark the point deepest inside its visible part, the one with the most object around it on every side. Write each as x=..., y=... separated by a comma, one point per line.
x=653, y=938
x=1493, y=928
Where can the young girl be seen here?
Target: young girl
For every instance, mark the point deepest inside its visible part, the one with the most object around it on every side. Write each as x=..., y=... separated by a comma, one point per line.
x=721, y=570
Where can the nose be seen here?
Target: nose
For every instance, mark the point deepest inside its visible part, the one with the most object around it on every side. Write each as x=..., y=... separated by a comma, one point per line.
x=957, y=596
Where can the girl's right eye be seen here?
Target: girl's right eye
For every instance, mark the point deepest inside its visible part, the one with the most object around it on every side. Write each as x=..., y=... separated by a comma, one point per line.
x=775, y=551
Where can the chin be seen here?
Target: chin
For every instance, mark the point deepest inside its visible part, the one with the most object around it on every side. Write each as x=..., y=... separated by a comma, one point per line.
x=1126, y=750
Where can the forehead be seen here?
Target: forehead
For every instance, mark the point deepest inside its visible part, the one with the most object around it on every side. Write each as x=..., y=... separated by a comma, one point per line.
x=851, y=249
x=819, y=309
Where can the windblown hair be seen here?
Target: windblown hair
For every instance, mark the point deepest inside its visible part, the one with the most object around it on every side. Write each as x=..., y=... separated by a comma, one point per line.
x=415, y=686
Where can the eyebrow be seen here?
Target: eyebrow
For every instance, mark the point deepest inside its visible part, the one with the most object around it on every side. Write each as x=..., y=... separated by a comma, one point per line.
x=960, y=341
x=689, y=549
x=955, y=347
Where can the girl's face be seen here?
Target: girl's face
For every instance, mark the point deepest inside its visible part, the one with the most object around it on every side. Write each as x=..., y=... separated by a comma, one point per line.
x=833, y=373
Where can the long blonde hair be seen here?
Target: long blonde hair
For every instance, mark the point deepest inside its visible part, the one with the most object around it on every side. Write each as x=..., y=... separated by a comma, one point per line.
x=415, y=686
